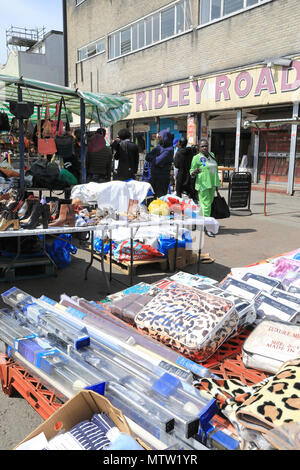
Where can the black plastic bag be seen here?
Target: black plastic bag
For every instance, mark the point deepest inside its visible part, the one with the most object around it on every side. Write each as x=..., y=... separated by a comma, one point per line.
x=219, y=207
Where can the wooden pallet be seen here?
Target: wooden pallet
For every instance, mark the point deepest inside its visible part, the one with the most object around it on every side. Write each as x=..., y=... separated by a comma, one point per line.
x=125, y=267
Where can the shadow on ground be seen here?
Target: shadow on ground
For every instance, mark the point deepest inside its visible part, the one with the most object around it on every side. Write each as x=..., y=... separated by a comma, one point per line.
x=234, y=231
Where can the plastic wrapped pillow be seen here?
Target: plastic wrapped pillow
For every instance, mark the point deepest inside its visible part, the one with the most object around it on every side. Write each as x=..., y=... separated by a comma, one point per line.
x=291, y=280
x=283, y=266
x=189, y=321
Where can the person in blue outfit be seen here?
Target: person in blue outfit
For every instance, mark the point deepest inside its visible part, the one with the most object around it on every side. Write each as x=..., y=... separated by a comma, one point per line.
x=161, y=159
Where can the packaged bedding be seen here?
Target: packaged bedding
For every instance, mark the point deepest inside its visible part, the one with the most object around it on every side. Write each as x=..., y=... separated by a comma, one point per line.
x=190, y=321
x=271, y=344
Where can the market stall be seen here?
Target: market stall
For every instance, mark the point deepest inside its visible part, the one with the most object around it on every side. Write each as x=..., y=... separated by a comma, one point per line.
x=26, y=96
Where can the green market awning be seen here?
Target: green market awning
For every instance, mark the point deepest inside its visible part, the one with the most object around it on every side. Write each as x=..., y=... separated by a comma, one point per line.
x=109, y=108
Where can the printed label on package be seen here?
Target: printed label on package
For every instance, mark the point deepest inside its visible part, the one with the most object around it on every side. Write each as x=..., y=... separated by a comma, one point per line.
x=266, y=306
x=261, y=282
x=286, y=298
x=240, y=288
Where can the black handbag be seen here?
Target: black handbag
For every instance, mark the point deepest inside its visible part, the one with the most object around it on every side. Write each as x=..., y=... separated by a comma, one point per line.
x=64, y=143
x=45, y=174
x=4, y=122
x=219, y=207
x=21, y=109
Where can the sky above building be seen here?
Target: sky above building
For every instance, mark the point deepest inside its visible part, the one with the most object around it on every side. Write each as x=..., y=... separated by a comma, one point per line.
x=29, y=14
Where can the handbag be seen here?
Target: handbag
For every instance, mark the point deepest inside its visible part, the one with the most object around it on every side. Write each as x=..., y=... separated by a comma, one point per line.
x=47, y=127
x=45, y=174
x=29, y=129
x=57, y=126
x=46, y=145
x=21, y=109
x=219, y=207
x=4, y=122
x=15, y=126
x=96, y=143
x=64, y=143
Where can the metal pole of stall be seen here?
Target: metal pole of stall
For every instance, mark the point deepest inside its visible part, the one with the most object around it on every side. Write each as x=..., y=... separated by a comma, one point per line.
x=293, y=150
x=256, y=157
x=21, y=144
x=266, y=172
x=83, y=146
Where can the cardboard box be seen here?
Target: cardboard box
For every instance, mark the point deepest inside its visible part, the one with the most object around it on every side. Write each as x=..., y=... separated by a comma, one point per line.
x=184, y=258
x=79, y=408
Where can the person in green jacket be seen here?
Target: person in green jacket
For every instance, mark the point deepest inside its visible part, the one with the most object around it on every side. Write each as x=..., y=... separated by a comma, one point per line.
x=204, y=168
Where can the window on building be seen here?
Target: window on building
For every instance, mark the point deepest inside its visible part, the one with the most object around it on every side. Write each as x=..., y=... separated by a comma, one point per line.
x=141, y=34
x=77, y=2
x=148, y=27
x=91, y=50
x=212, y=10
x=167, y=23
x=134, y=37
x=159, y=26
x=125, y=41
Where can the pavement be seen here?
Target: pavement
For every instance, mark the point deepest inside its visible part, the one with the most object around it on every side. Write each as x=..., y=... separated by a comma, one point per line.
x=243, y=239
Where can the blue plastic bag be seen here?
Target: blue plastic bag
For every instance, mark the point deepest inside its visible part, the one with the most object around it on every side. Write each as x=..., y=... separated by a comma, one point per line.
x=167, y=243
x=98, y=245
x=61, y=249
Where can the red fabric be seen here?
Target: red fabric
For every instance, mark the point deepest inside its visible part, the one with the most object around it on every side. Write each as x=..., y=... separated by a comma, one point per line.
x=140, y=252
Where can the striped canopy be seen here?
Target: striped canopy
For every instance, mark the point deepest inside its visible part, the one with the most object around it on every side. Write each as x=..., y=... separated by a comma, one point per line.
x=109, y=108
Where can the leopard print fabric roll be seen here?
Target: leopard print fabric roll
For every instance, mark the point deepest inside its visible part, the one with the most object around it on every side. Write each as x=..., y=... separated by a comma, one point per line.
x=192, y=322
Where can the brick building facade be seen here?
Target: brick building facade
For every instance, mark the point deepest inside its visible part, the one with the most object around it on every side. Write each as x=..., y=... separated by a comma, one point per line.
x=198, y=67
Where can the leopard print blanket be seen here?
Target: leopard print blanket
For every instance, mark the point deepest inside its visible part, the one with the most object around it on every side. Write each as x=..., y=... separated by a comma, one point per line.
x=259, y=409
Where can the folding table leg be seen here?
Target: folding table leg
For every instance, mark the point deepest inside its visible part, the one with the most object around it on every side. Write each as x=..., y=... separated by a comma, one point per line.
x=47, y=255
x=131, y=257
x=102, y=265
x=176, y=247
x=92, y=255
x=12, y=263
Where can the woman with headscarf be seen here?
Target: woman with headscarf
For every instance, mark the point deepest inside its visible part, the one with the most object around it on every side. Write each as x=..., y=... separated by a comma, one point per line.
x=161, y=159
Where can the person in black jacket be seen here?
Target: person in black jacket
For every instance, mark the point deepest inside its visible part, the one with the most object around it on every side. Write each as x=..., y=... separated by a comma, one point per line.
x=161, y=159
x=127, y=153
x=183, y=160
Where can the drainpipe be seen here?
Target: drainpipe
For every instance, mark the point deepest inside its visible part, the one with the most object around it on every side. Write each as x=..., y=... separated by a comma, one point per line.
x=238, y=139
x=65, y=31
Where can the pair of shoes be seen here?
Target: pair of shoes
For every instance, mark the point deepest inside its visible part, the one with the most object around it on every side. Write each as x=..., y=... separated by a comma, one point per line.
x=9, y=219
x=8, y=195
x=66, y=216
x=29, y=203
x=40, y=214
